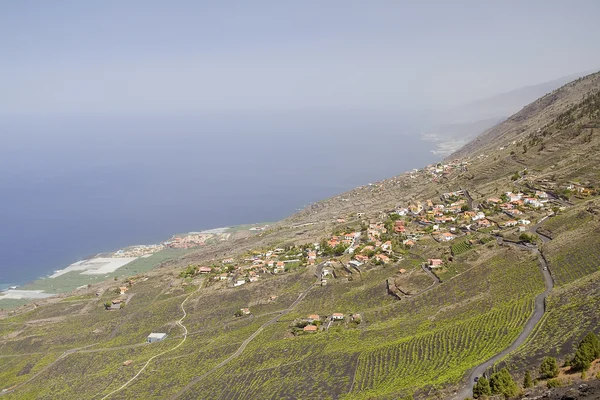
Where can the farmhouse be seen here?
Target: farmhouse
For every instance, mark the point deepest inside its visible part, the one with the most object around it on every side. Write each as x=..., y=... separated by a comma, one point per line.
x=205, y=270
x=337, y=316
x=313, y=317
x=435, y=262
x=310, y=328
x=156, y=337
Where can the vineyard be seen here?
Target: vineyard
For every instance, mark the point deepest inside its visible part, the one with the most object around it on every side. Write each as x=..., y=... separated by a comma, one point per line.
x=439, y=334
x=575, y=257
x=572, y=312
x=441, y=356
x=459, y=248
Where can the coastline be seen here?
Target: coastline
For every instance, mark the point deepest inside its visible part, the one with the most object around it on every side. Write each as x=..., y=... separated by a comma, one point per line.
x=106, y=265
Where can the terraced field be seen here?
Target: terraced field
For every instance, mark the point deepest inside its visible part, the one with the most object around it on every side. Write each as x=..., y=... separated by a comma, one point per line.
x=458, y=323
x=441, y=356
x=574, y=255
x=460, y=248
x=572, y=311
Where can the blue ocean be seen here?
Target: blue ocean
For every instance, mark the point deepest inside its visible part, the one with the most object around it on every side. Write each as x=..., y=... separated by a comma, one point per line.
x=73, y=186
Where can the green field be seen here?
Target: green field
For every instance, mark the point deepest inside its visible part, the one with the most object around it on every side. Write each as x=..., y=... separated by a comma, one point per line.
x=70, y=281
x=376, y=358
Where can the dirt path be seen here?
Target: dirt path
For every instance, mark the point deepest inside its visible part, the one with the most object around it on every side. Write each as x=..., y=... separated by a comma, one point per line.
x=63, y=355
x=185, y=332
x=245, y=343
x=538, y=313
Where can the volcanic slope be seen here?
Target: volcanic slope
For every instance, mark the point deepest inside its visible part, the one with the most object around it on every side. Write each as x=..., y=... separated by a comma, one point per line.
x=406, y=330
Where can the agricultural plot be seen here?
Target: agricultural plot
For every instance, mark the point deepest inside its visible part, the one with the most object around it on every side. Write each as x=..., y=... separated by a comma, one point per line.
x=572, y=311
x=460, y=322
x=438, y=357
x=460, y=247
x=575, y=256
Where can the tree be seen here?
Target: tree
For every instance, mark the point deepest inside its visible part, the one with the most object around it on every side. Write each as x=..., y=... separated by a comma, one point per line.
x=339, y=249
x=464, y=207
x=482, y=388
x=502, y=382
x=587, y=351
x=529, y=238
x=527, y=381
x=549, y=368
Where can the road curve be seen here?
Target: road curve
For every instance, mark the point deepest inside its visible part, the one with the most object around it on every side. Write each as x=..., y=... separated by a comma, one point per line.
x=245, y=343
x=538, y=313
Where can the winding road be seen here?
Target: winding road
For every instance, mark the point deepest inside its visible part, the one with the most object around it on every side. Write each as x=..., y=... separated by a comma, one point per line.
x=245, y=343
x=185, y=332
x=538, y=313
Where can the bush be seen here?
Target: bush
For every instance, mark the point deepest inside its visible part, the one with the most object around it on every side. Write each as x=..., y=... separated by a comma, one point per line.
x=527, y=381
x=554, y=383
x=188, y=272
x=482, y=388
x=529, y=238
x=502, y=382
x=549, y=368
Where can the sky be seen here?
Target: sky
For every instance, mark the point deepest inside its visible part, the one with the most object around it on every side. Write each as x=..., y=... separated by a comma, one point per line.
x=142, y=57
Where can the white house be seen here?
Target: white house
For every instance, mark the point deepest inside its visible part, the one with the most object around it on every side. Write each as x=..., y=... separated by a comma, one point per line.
x=155, y=337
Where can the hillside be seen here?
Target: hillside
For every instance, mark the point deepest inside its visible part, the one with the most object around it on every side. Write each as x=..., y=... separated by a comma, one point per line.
x=405, y=288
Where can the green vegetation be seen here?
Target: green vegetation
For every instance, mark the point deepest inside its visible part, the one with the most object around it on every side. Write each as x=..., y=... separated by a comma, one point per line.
x=554, y=383
x=460, y=247
x=549, y=368
x=482, y=388
x=527, y=380
x=571, y=312
x=587, y=351
x=528, y=238
x=574, y=255
x=502, y=382
x=189, y=272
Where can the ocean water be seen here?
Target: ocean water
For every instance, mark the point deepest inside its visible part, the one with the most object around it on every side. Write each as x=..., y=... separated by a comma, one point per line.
x=73, y=186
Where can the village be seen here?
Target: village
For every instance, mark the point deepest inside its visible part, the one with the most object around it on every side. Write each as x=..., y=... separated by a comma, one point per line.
x=364, y=241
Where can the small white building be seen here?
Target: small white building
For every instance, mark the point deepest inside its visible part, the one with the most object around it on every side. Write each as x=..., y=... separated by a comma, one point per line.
x=156, y=337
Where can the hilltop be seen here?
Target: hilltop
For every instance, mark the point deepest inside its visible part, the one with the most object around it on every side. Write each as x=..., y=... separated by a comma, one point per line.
x=409, y=287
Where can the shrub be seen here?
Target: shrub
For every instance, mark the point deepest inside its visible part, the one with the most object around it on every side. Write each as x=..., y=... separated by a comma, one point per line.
x=549, y=368
x=553, y=383
x=482, y=388
x=502, y=382
x=527, y=381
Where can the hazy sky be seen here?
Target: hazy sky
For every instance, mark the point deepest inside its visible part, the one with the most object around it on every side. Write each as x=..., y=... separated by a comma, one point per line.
x=178, y=56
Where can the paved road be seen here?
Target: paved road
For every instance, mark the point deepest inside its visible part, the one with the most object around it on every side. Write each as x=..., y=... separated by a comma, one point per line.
x=245, y=343
x=539, y=309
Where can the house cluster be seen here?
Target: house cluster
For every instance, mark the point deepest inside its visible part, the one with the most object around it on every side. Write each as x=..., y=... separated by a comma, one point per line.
x=346, y=239
x=137, y=251
x=251, y=266
x=118, y=302
x=188, y=241
x=314, y=322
